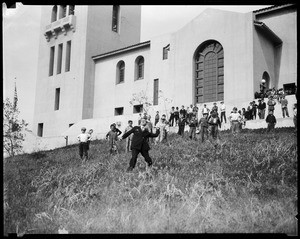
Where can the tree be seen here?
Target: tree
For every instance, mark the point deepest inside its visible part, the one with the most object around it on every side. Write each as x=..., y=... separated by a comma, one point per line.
x=141, y=98
x=13, y=136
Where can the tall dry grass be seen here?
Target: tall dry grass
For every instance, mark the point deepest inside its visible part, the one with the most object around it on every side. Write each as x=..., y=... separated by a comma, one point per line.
x=245, y=184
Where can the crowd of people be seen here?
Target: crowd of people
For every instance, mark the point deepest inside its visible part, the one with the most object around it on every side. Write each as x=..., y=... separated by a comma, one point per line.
x=140, y=137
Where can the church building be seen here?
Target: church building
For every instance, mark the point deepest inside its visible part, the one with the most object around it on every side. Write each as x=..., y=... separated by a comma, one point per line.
x=93, y=70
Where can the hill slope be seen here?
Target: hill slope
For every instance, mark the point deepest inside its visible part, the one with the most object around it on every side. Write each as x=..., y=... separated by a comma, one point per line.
x=244, y=183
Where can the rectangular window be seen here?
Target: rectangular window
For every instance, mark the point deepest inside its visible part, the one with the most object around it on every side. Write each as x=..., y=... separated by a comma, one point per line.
x=155, y=92
x=51, y=62
x=40, y=129
x=115, y=18
x=59, y=58
x=68, y=56
x=57, y=96
x=165, y=52
x=137, y=109
x=119, y=111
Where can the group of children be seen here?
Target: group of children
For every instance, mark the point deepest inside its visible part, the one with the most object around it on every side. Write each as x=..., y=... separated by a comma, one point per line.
x=138, y=138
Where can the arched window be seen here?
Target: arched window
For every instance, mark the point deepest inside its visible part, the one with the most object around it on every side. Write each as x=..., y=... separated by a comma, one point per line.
x=266, y=77
x=120, y=72
x=62, y=11
x=139, y=68
x=115, y=18
x=54, y=14
x=209, y=72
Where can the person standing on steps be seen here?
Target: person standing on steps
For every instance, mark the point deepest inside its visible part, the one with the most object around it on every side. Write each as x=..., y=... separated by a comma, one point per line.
x=284, y=102
x=139, y=143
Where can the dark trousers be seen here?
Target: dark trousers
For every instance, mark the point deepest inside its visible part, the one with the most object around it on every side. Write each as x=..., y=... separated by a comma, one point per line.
x=214, y=132
x=172, y=119
x=270, y=127
x=176, y=119
x=181, y=130
x=83, y=149
x=135, y=153
x=192, y=133
x=285, y=112
x=203, y=132
x=223, y=115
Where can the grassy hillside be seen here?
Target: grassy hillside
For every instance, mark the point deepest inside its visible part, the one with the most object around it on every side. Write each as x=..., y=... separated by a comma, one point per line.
x=245, y=183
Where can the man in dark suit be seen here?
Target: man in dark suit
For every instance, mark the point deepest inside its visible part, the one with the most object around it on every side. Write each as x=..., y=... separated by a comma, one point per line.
x=139, y=143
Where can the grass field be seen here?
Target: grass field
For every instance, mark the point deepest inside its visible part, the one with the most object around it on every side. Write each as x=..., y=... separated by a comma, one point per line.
x=243, y=184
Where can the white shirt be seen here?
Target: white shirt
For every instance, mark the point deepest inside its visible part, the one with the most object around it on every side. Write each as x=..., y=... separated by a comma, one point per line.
x=222, y=107
x=234, y=116
x=205, y=110
x=83, y=137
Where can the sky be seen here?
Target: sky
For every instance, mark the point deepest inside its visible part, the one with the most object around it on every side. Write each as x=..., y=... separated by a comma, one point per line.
x=21, y=33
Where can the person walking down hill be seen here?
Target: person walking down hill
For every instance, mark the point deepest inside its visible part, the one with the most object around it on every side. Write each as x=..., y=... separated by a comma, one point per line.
x=214, y=122
x=181, y=125
x=284, y=102
x=271, y=104
x=203, y=123
x=139, y=143
x=271, y=120
x=235, y=119
x=128, y=139
x=164, y=129
x=83, y=144
x=193, y=125
x=112, y=137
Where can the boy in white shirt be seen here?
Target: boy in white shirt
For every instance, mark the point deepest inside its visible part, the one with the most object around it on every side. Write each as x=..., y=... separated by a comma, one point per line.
x=83, y=144
x=235, y=119
x=223, y=110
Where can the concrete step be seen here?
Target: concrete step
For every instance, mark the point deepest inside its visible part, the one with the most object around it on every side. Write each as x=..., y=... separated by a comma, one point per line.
x=281, y=122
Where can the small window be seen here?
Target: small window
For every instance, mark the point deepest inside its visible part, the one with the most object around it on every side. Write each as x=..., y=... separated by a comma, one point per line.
x=119, y=111
x=70, y=125
x=51, y=61
x=115, y=18
x=166, y=49
x=137, y=109
x=120, y=72
x=139, y=68
x=40, y=129
x=57, y=96
x=59, y=58
x=68, y=56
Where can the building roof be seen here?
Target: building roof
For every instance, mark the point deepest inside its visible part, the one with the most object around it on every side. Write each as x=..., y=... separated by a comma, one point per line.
x=272, y=8
x=122, y=50
x=268, y=32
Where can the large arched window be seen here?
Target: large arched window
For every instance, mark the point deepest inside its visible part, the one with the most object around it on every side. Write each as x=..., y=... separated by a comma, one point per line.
x=54, y=14
x=209, y=72
x=139, y=68
x=120, y=72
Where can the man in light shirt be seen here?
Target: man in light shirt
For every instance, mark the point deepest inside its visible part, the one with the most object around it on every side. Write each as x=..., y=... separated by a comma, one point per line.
x=205, y=110
x=83, y=144
x=235, y=119
x=223, y=110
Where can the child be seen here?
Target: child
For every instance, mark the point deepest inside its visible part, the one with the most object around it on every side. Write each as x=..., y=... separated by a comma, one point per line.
x=215, y=107
x=139, y=143
x=271, y=104
x=176, y=116
x=193, y=125
x=112, y=136
x=271, y=120
x=235, y=119
x=90, y=138
x=128, y=140
x=183, y=111
x=164, y=129
x=214, y=122
x=83, y=144
x=203, y=122
x=181, y=125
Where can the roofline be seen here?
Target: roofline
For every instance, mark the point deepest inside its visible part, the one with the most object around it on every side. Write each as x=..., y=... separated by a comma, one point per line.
x=272, y=8
x=276, y=40
x=122, y=50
